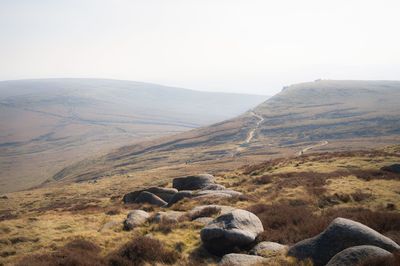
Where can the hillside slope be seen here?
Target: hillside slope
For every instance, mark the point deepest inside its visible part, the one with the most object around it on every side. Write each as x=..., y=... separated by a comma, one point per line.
x=48, y=124
x=327, y=114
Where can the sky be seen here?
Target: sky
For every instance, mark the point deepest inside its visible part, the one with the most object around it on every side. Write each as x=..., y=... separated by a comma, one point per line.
x=247, y=46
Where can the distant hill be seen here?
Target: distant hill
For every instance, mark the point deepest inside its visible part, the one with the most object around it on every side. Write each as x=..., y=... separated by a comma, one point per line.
x=47, y=124
x=324, y=115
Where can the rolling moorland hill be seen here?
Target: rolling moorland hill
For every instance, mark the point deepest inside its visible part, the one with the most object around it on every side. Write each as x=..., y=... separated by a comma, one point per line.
x=320, y=115
x=47, y=124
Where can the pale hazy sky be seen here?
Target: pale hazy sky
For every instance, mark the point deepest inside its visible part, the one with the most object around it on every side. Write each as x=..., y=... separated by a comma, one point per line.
x=217, y=45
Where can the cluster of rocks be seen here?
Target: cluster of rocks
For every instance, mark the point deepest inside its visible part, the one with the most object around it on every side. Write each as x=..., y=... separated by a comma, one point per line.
x=195, y=186
x=344, y=242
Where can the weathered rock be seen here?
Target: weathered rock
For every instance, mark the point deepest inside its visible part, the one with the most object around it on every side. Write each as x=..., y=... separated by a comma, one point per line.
x=268, y=249
x=238, y=228
x=180, y=196
x=193, y=182
x=164, y=193
x=339, y=235
x=394, y=168
x=135, y=218
x=359, y=255
x=150, y=198
x=234, y=259
x=169, y=216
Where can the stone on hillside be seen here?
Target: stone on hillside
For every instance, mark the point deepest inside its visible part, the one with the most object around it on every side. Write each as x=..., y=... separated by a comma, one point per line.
x=394, y=168
x=180, y=196
x=135, y=218
x=150, y=198
x=268, y=249
x=234, y=259
x=193, y=182
x=238, y=228
x=169, y=216
x=359, y=255
x=164, y=193
x=339, y=235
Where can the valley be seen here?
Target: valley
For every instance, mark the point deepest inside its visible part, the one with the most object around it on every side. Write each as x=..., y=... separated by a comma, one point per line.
x=346, y=114
x=47, y=125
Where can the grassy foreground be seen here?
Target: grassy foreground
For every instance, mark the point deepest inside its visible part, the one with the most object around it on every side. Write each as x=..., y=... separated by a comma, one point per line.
x=295, y=198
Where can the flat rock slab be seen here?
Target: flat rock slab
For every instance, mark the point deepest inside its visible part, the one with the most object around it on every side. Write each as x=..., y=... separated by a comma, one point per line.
x=238, y=228
x=268, y=249
x=169, y=216
x=359, y=255
x=234, y=259
x=339, y=235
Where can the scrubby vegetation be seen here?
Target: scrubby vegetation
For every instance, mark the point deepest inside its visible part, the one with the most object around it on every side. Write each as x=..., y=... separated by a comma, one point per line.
x=295, y=198
x=141, y=250
x=78, y=252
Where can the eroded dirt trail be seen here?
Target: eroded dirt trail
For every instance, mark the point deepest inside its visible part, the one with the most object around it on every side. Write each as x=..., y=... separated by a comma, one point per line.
x=302, y=151
x=250, y=134
x=253, y=130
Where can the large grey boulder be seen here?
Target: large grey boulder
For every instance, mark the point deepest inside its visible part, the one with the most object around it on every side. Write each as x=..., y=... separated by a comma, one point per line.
x=135, y=218
x=268, y=249
x=180, y=196
x=193, y=182
x=339, y=235
x=234, y=259
x=359, y=255
x=238, y=228
x=150, y=198
x=164, y=193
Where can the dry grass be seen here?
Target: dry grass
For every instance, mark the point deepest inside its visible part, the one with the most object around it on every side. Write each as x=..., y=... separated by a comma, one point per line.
x=287, y=194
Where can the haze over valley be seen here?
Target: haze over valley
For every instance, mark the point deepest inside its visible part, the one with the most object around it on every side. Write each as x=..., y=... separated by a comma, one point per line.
x=48, y=124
